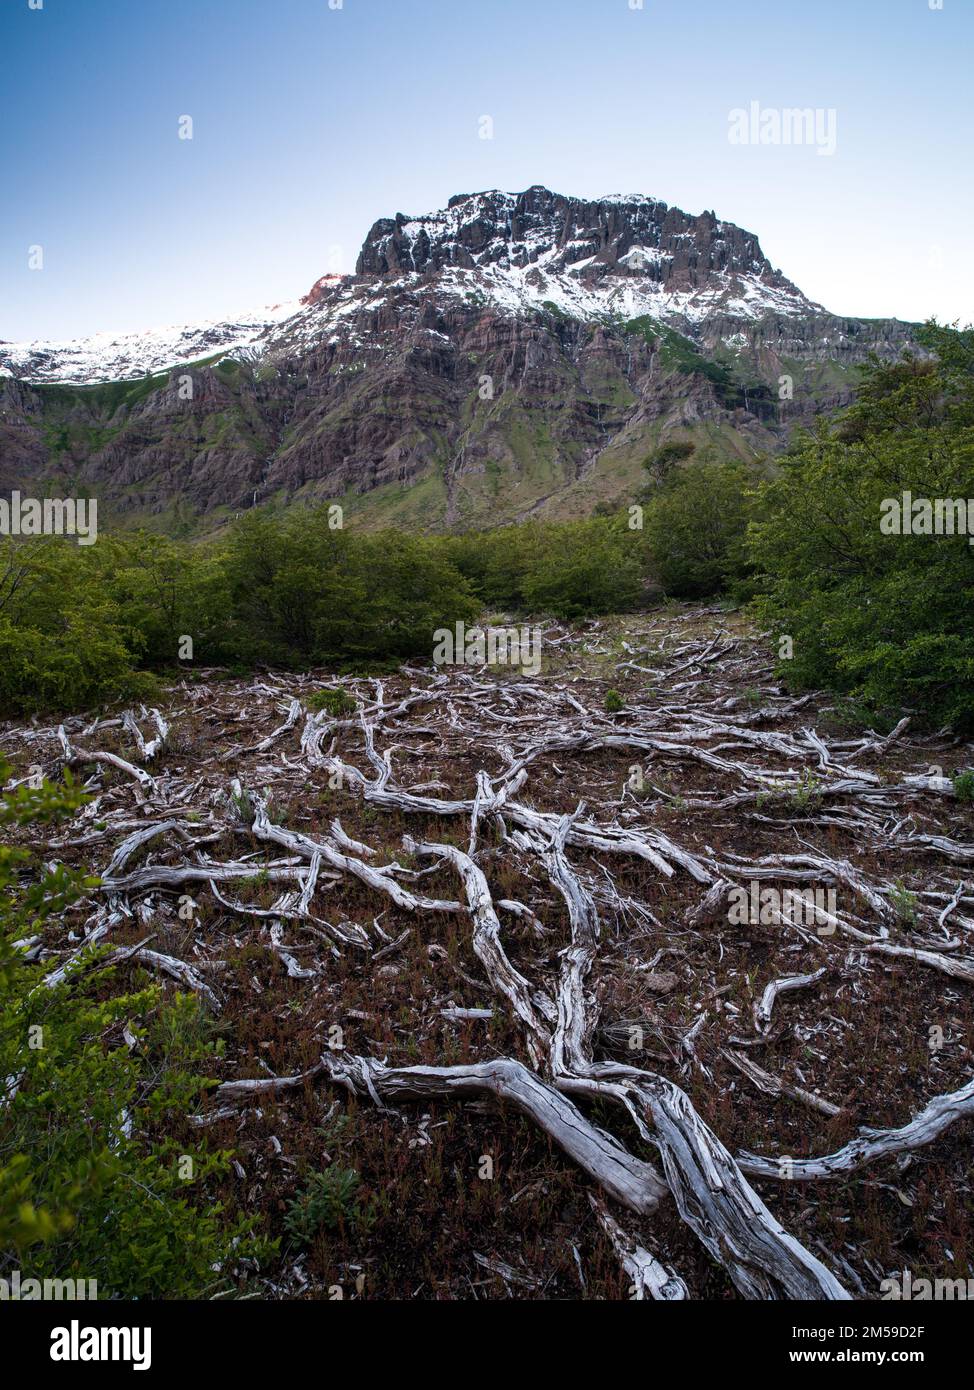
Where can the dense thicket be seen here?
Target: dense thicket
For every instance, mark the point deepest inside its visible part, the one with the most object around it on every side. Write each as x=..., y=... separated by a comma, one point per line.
x=883, y=615
x=696, y=528
x=572, y=569
x=81, y=625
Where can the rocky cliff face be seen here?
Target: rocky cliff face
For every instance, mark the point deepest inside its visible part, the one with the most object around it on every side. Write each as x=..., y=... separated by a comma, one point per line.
x=634, y=236
x=510, y=354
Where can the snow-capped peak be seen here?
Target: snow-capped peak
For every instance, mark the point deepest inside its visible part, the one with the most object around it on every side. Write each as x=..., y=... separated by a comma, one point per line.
x=617, y=256
x=124, y=356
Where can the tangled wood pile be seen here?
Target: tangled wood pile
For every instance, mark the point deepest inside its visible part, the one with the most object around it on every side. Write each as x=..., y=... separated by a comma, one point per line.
x=565, y=878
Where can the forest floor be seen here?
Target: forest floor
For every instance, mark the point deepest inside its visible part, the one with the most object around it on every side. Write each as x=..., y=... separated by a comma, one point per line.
x=476, y=939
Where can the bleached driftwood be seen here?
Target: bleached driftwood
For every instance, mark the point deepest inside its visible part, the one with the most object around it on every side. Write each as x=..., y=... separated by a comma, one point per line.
x=526, y=731
x=266, y=1085
x=959, y=969
x=772, y=1085
x=871, y=1145
x=487, y=946
x=711, y=1193
x=629, y=1180
x=134, y=842
x=647, y=1275
x=380, y=879
x=147, y=750
x=785, y=983
x=73, y=756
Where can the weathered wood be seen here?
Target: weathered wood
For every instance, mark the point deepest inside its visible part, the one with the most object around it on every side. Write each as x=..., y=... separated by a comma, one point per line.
x=488, y=949
x=630, y=1180
x=872, y=1144
x=73, y=756
x=959, y=969
x=551, y=988
x=784, y=984
x=772, y=1085
x=648, y=1277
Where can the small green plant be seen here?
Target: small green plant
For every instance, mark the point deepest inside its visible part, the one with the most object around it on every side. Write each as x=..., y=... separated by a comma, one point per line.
x=964, y=786
x=905, y=903
x=808, y=793
x=328, y=1199
x=337, y=703
x=258, y=880
x=613, y=702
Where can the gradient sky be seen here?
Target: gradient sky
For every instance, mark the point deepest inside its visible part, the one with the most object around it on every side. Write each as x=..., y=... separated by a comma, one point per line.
x=310, y=122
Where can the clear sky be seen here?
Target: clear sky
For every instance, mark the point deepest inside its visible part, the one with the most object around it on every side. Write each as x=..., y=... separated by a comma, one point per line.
x=312, y=119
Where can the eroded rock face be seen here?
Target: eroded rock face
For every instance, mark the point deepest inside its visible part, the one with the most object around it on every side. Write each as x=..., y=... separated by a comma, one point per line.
x=511, y=354
x=630, y=236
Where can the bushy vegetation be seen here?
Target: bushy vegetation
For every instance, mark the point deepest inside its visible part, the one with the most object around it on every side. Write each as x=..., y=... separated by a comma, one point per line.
x=62, y=641
x=98, y=1179
x=696, y=527
x=328, y=1199
x=883, y=616
x=338, y=703
x=300, y=593
x=570, y=569
x=964, y=786
x=81, y=626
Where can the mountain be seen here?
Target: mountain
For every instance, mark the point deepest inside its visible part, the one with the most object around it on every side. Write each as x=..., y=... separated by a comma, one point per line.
x=125, y=356
x=511, y=354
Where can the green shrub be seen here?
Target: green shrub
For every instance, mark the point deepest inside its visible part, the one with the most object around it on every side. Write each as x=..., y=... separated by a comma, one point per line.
x=882, y=617
x=84, y=663
x=100, y=1178
x=570, y=569
x=807, y=795
x=163, y=590
x=63, y=642
x=337, y=703
x=663, y=460
x=964, y=786
x=613, y=702
x=329, y=1199
x=585, y=568
x=905, y=904
x=696, y=526
x=78, y=623
x=300, y=593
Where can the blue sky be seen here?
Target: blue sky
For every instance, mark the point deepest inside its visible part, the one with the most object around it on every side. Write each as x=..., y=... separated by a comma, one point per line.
x=309, y=122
